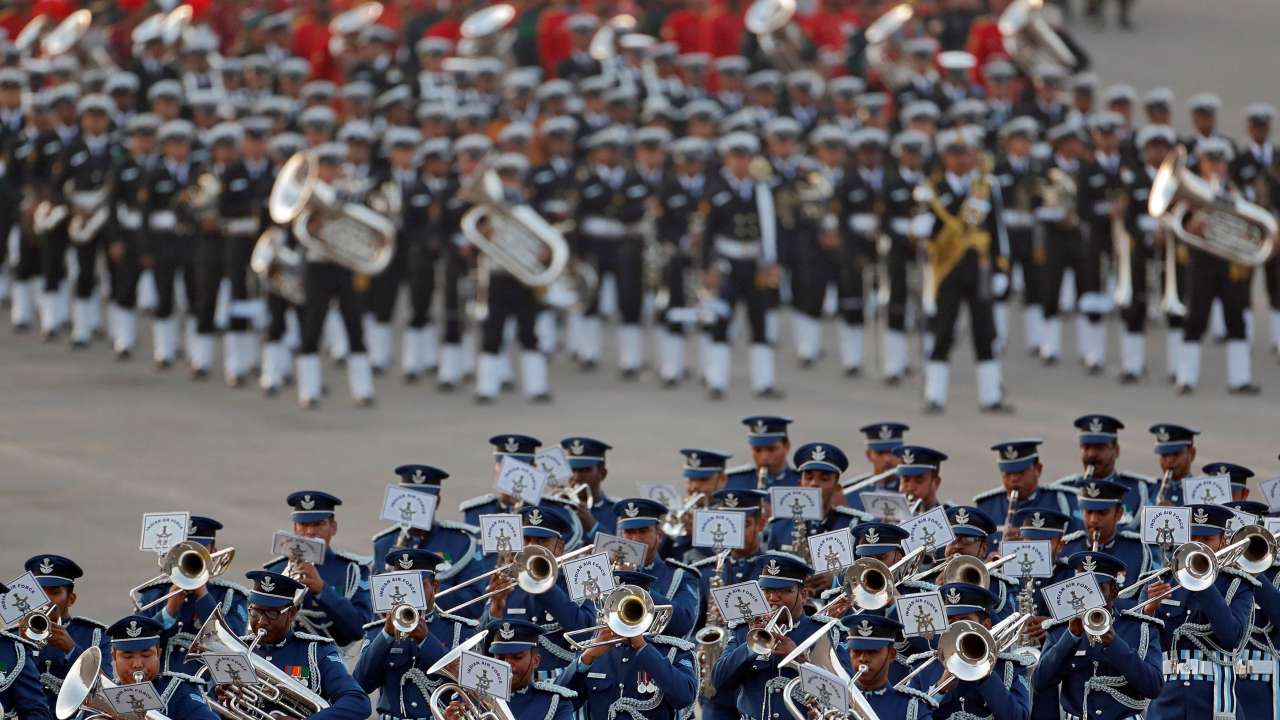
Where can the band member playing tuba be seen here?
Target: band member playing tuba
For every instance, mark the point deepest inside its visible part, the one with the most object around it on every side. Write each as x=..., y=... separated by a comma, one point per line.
x=136, y=658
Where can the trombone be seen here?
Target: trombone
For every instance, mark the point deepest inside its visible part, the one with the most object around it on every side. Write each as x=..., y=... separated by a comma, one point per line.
x=968, y=651
x=534, y=569
x=856, y=484
x=188, y=565
x=1195, y=566
x=479, y=706
x=965, y=569
x=762, y=640
x=628, y=611
x=869, y=583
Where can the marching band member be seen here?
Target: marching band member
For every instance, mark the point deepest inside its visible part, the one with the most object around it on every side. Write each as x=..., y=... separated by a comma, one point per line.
x=1099, y=439
x=873, y=643
x=767, y=437
x=83, y=172
x=1256, y=170
x=337, y=601
x=167, y=249
x=1102, y=180
x=1153, y=143
x=1003, y=694
x=1176, y=451
x=587, y=461
x=1238, y=474
x=679, y=230
x=1114, y=676
x=1102, y=506
x=515, y=642
x=638, y=521
x=222, y=147
x=1017, y=172
x=882, y=439
x=820, y=466
x=1058, y=217
x=652, y=675
x=517, y=447
x=124, y=245
x=241, y=210
x=919, y=475
x=312, y=660
x=911, y=149
x=395, y=664
x=1256, y=667
x=136, y=658
x=1202, y=631
x=69, y=635
x=704, y=473
x=974, y=530
x=1020, y=470
x=861, y=200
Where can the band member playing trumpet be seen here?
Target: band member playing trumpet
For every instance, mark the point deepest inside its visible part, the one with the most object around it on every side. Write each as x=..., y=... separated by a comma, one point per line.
x=587, y=461
x=753, y=668
x=651, y=675
x=337, y=602
x=1002, y=694
x=69, y=635
x=394, y=662
x=639, y=520
x=873, y=653
x=312, y=660
x=1020, y=469
x=1111, y=672
x=770, y=445
x=1175, y=449
x=1102, y=504
x=136, y=658
x=1202, y=630
x=515, y=642
x=882, y=438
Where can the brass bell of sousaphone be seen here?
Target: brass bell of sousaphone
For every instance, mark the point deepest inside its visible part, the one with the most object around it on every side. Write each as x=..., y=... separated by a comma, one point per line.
x=1030, y=38
x=780, y=40
x=279, y=267
x=67, y=34
x=488, y=32
x=350, y=23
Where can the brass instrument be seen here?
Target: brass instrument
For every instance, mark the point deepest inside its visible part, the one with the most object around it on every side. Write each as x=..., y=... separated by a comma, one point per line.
x=67, y=34
x=1236, y=230
x=1097, y=622
x=712, y=636
x=628, y=611
x=870, y=584
x=279, y=267
x=1170, y=303
x=275, y=692
x=1195, y=566
x=673, y=521
x=534, y=569
x=1163, y=487
x=348, y=24
x=856, y=484
x=48, y=216
x=965, y=569
x=1094, y=539
x=201, y=199
x=572, y=494
x=82, y=689
x=188, y=565
x=817, y=649
x=488, y=32
x=1030, y=40
x=859, y=708
x=968, y=651
x=762, y=640
x=404, y=618
x=521, y=241
x=780, y=40
x=30, y=34
x=1058, y=191
x=37, y=626
x=347, y=233
x=479, y=706
x=387, y=200
x=89, y=213
x=879, y=34
x=1008, y=516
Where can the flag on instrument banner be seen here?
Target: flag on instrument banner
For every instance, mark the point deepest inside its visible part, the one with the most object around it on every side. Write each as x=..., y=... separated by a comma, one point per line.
x=825, y=687
x=719, y=529
x=501, y=533
x=664, y=493
x=521, y=480
x=931, y=530
x=133, y=700
x=887, y=507
x=623, y=554
x=25, y=594
x=1034, y=558
x=741, y=601
x=1073, y=596
x=1166, y=526
x=1207, y=489
x=796, y=503
x=407, y=507
x=388, y=590
x=161, y=531
x=922, y=614
x=229, y=668
x=589, y=577
x=297, y=548
x=555, y=464
x=484, y=674
x=1271, y=492
x=831, y=551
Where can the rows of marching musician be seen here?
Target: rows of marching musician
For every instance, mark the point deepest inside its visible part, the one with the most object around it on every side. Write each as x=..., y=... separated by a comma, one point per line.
x=793, y=585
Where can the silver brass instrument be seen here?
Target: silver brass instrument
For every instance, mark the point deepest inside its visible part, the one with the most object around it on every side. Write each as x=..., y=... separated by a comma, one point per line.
x=67, y=34
x=37, y=626
x=348, y=24
x=404, y=618
x=572, y=494
x=521, y=241
x=1008, y=516
x=762, y=640
x=347, y=233
x=781, y=40
x=627, y=611
x=534, y=569
x=201, y=199
x=869, y=583
x=1030, y=40
x=1195, y=566
x=274, y=692
x=965, y=569
x=879, y=34
x=48, y=216
x=856, y=484
x=1236, y=230
x=968, y=651
x=279, y=267
x=859, y=708
x=712, y=637
x=188, y=565
x=30, y=34
x=673, y=521
x=479, y=706
x=488, y=32
x=82, y=689
x=1097, y=622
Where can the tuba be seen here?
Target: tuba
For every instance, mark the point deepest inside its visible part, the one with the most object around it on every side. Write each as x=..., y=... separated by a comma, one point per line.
x=781, y=41
x=1031, y=40
x=274, y=691
x=278, y=266
x=349, y=23
x=82, y=689
x=347, y=233
x=1236, y=230
x=64, y=38
x=879, y=36
x=521, y=242
x=188, y=565
x=479, y=706
x=488, y=32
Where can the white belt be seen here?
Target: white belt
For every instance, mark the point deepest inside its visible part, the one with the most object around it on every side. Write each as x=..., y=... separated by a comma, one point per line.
x=900, y=226
x=162, y=220
x=1069, y=716
x=737, y=249
x=863, y=223
x=1178, y=668
x=555, y=207
x=601, y=227
x=240, y=227
x=86, y=200
x=129, y=218
x=1265, y=668
x=1018, y=219
x=1048, y=214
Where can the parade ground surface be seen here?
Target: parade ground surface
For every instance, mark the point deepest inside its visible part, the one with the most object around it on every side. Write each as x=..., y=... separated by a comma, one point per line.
x=88, y=444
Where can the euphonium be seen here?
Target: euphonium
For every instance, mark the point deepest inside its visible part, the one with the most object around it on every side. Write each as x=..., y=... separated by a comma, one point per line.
x=347, y=233
x=479, y=706
x=82, y=689
x=520, y=240
x=275, y=692
x=488, y=32
x=1031, y=40
x=188, y=565
x=780, y=40
x=279, y=267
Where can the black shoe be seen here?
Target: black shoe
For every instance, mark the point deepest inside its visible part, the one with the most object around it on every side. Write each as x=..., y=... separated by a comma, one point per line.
x=853, y=372
x=770, y=393
x=807, y=363
x=1093, y=370
x=311, y=404
x=199, y=373
x=124, y=355
x=541, y=399
x=50, y=335
x=1171, y=378
x=365, y=402
x=378, y=370
x=79, y=344
x=1129, y=378
x=507, y=386
x=484, y=400
x=628, y=374
x=933, y=408
x=411, y=378
x=446, y=387
x=324, y=390
x=1186, y=389
x=21, y=328
x=715, y=394
x=670, y=383
x=999, y=407
x=270, y=391
x=235, y=381
x=163, y=364
x=892, y=380
x=1245, y=389
x=587, y=365
x=1049, y=361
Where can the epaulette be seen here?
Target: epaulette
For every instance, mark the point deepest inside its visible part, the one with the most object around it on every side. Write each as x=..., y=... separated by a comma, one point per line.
x=1059, y=487
x=90, y=622
x=312, y=638
x=671, y=641
x=993, y=492
x=683, y=566
x=182, y=676
x=459, y=619
x=476, y=502
x=706, y=561
x=459, y=526
x=551, y=687
x=1136, y=615
x=1072, y=536
x=216, y=582
x=856, y=514
x=746, y=467
x=1132, y=535
x=1242, y=575
x=353, y=557
x=383, y=533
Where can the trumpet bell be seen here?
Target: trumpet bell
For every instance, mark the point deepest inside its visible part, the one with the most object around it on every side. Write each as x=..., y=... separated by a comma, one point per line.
x=965, y=569
x=1097, y=622
x=967, y=650
x=868, y=583
x=767, y=16
x=188, y=565
x=1195, y=566
x=293, y=188
x=67, y=34
x=405, y=618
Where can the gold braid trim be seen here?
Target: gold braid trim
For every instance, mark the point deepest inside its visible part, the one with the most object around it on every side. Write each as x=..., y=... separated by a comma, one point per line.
x=958, y=235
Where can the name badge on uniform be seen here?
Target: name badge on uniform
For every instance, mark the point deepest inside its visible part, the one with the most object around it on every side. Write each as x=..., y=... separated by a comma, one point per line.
x=831, y=551
x=623, y=554
x=478, y=672
x=1073, y=596
x=1271, y=491
x=886, y=507
x=741, y=601
x=719, y=529
x=229, y=668
x=922, y=614
x=161, y=531
x=796, y=503
x=1034, y=558
x=589, y=577
x=1166, y=525
x=387, y=590
x=1207, y=490
x=25, y=594
x=825, y=687
x=555, y=464
x=521, y=480
x=501, y=533
x=409, y=508
x=930, y=530
x=134, y=699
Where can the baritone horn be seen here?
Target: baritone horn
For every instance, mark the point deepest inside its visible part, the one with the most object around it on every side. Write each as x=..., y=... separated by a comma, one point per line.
x=83, y=689
x=187, y=565
x=326, y=224
x=488, y=32
x=520, y=241
x=1030, y=38
x=478, y=706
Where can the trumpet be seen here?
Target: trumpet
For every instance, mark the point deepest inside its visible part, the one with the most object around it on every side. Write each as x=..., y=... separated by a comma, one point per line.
x=83, y=689
x=405, y=618
x=37, y=625
x=534, y=569
x=627, y=611
x=479, y=706
x=762, y=640
x=1097, y=622
x=572, y=494
x=1094, y=539
x=673, y=521
x=188, y=565
x=1008, y=516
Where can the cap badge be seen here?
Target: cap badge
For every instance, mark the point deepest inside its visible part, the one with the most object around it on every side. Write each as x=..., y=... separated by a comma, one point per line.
x=406, y=561
x=46, y=566
x=760, y=427
x=631, y=510
x=872, y=536
x=773, y=568
x=1200, y=517
x=191, y=527
x=267, y=584
x=418, y=477
x=1011, y=453
x=1089, y=564
x=731, y=500
x=962, y=517
x=1095, y=425
x=1092, y=490
x=865, y=629
x=908, y=457
x=506, y=632
x=1037, y=520
x=134, y=629
x=886, y=432
x=953, y=596
x=576, y=447
x=511, y=445
x=818, y=454
x=1162, y=434
x=535, y=517
x=694, y=461
x=307, y=503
